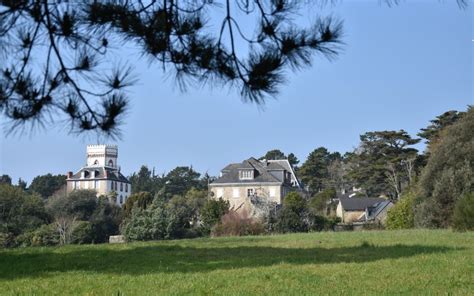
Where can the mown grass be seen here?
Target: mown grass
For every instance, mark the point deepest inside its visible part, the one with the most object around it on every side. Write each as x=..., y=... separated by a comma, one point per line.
x=378, y=262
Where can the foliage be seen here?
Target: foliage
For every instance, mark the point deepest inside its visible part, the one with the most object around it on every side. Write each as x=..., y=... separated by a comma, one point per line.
x=277, y=154
x=385, y=163
x=315, y=172
x=320, y=223
x=432, y=132
x=137, y=200
x=45, y=235
x=212, y=212
x=401, y=215
x=46, y=185
x=463, y=216
x=175, y=34
x=145, y=181
x=79, y=204
x=166, y=219
x=5, y=179
x=237, y=224
x=319, y=204
x=179, y=180
x=20, y=211
x=105, y=220
x=292, y=215
x=448, y=174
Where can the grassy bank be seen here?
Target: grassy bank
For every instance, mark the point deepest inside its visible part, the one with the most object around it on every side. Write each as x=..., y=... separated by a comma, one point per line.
x=377, y=262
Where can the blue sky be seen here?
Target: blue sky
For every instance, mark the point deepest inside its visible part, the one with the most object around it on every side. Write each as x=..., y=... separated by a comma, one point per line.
x=401, y=67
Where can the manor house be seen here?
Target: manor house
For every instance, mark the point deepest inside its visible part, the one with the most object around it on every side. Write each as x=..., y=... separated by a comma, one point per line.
x=101, y=173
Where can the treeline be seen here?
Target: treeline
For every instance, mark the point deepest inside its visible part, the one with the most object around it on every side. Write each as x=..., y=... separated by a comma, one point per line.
x=432, y=189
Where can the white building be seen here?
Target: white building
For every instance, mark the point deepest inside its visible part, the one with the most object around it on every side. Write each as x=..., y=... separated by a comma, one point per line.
x=101, y=174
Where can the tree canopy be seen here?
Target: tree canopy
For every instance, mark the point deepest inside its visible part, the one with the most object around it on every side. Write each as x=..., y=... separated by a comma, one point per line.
x=71, y=45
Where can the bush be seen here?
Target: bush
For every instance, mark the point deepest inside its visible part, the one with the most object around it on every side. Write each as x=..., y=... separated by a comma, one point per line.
x=401, y=215
x=212, y=212
x=322, y=223
x=82, y=233
x=46, y=235
x=292, y=216
x=238, y=224
x=7, y=240
x=463, y=218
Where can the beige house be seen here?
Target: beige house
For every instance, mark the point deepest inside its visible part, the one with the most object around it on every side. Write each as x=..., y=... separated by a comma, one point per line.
x=362, y=209
x=255, y=186
x=101, y=173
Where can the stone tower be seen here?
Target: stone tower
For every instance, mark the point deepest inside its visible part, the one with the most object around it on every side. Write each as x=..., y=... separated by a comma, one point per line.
x=102, y=155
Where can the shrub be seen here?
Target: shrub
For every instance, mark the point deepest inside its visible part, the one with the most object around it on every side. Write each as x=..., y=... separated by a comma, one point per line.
x=7, y=240
x=401, y=215
x=292, y=215
x=141, y=200
x=463, y=218
x=212, y=212
x=46, y=235
x=238, y=224
x=82, y=233
x=322, y=223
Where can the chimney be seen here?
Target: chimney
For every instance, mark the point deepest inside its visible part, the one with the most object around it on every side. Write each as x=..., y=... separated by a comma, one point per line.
x=69, y=175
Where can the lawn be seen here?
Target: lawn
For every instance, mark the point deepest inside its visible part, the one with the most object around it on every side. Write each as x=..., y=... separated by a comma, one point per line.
x=375, y=262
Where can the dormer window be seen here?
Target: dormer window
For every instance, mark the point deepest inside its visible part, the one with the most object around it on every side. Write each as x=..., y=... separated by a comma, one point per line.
x=246, y=174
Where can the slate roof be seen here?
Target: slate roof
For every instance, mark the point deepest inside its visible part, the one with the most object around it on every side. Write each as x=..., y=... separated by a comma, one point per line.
x=98, y=173
x=359, y=203
x=261, y=173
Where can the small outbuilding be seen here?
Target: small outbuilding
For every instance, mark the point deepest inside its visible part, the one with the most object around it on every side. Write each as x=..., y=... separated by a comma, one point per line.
x=363, y=209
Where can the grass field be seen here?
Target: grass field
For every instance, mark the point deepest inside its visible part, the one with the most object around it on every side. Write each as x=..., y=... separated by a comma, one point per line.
x=377, y=262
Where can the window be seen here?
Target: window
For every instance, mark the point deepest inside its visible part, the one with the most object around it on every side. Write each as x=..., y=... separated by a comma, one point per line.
x=272, y=192
x=86, y=184
x=96, y=162
x=96, y=174
x=126, y=187
x=111, y=163
x=250, y=192
x=220, y=192
x=75, y=184
x=121, y=186
x=96, y=184
x=235, y=192
x=246, y=174
x=121, y=199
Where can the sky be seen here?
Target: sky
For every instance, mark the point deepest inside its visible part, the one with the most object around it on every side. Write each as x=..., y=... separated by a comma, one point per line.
x=400, y=67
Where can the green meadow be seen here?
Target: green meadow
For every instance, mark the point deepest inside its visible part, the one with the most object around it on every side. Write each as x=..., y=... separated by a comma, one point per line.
x=417, y=262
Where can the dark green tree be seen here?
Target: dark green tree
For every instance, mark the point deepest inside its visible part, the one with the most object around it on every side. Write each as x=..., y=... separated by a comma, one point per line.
x=140, y=200
x=20, y=211
x=384, y=163
x=47, y=184
x=180, y=180
x=293, y=160
x=292, y=216
x=212, y=212
x=142, y=181
x=176, y=34
x=448, y=174
x=5, y=179
x=431, y=132
x=273, y=155
x=314, y=171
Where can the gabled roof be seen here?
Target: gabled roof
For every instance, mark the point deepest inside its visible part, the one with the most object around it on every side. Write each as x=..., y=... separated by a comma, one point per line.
x=359, y=203
x=285, y=164
x=230, y=174
x=98, y=173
